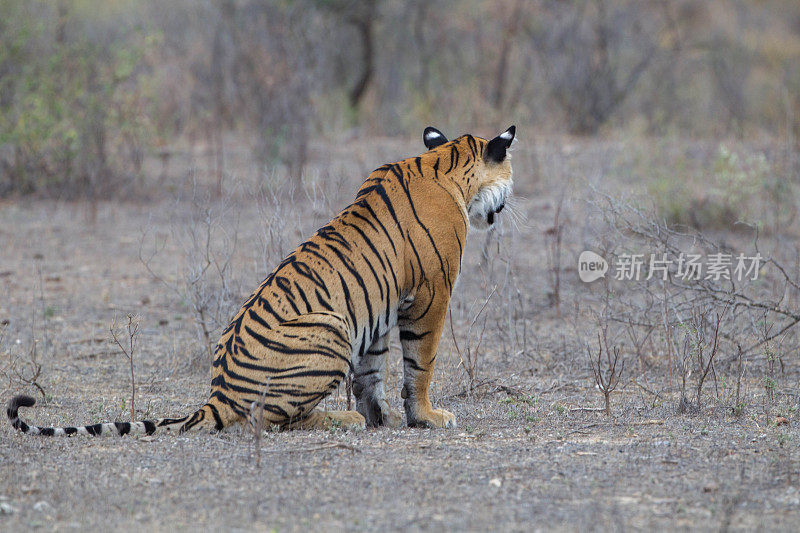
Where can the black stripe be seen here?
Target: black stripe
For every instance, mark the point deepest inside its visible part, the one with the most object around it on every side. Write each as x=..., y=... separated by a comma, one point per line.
x=350, y=310
x=250, y=366
x=413, y=364
x=472, y=145
x=217, y=419
x=453, y=159
x=171, y=421
x=47, y=432
x=413, y=247
x=375, y=276
x=149, y=427
x=322, y=301
x=380, y=351
x=255, y=317
x=316, y=373
x=448, y=281
x=94, y=430
x=350, y=266
x=425, y=311
x=406, y=335
x=380, y=223
x=307, y=272
x=391, y=271
x=366, y=240
x=123, y=428
x=70, y=430
x=282, y=348
x=385, y=197
x=267, y=306
x=302, y=294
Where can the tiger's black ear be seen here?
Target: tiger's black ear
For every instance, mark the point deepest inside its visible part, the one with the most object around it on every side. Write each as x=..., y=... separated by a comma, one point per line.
x=433, y=138
x=496, y=149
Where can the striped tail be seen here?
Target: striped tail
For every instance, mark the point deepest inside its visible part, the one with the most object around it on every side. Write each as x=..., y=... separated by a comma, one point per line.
x=147, y=427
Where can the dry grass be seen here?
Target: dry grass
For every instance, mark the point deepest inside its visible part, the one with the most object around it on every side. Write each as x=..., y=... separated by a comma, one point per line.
x=531, y=450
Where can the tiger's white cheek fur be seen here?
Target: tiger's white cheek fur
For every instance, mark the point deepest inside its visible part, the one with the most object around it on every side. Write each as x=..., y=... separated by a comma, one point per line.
x=487, y=202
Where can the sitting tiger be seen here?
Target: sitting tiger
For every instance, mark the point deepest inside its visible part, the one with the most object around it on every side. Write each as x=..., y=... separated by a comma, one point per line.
x=389, y=258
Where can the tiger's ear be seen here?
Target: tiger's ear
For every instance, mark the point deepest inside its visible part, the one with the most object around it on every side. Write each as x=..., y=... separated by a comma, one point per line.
x=496, y=149
x=433, y=138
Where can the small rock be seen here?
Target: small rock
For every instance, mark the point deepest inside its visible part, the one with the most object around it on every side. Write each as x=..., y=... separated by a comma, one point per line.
x=495, y=482
x=6, y=508
x=42, y=507
x=147, y=438
x=781, y=421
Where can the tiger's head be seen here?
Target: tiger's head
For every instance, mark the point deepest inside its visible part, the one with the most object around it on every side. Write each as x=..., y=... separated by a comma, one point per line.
x=488, y=185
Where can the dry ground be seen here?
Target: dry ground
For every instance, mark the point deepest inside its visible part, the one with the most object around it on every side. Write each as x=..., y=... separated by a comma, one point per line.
x=527, y=454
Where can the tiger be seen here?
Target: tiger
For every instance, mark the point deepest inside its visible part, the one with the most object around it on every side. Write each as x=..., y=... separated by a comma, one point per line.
x=389, y=259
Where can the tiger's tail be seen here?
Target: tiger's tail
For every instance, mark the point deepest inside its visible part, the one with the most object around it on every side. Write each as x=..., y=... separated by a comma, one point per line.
x=207, y=417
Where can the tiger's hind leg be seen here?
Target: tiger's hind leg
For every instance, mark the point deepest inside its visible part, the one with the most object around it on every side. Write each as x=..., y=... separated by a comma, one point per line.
x=298, y=364
x=369, y=388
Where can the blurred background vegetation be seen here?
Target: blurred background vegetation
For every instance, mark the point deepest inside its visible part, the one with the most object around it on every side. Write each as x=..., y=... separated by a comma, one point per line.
x=92, y=91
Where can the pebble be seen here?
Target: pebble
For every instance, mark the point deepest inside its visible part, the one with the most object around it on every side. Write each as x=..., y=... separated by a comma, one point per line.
x=6, y=508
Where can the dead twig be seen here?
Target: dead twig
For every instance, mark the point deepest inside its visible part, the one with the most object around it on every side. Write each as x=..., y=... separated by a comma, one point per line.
x=605, y=372
x=132, y=328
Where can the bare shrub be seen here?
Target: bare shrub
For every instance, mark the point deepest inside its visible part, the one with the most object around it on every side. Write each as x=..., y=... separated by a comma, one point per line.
x=604, y=369
x=131, y=329
x=696, y=356
x=468, y=359
x=26, y=368
x=554, y=238
x=208, y=242
x=772, y=355
x=706, y=323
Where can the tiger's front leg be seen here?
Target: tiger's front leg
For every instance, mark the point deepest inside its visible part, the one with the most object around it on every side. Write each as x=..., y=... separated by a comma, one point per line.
x=369, y=387
x=420, y=331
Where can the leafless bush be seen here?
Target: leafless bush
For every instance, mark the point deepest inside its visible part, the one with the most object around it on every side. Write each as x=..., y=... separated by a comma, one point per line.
x=208, y=241
x=554, y=238
x=696, y=356
x=132, y=329
x=710, y=325
x=468, y=359
x=27, y=369
x=604, y=369
x=772, y=354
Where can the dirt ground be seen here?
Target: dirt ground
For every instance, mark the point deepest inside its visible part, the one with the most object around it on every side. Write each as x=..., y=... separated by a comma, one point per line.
x=531, y=452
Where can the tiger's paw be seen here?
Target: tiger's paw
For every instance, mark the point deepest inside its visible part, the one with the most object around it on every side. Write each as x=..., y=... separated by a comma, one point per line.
x=433, y=418
x=377, y=412
x=392, y=418
x=349, y=420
